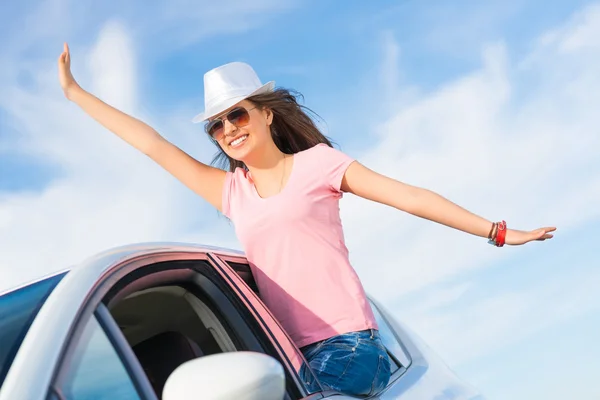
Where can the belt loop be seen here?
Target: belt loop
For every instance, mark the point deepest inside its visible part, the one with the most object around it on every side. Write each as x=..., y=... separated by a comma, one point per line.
x=372, y=333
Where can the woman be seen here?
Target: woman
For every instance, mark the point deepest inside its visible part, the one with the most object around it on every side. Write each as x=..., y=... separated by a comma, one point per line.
x=282, y=192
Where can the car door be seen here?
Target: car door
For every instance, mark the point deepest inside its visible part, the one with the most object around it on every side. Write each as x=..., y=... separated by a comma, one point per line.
x=99, y=364
x=400, y=359
x=99, y=341
x=285, y=350
x=250, y=294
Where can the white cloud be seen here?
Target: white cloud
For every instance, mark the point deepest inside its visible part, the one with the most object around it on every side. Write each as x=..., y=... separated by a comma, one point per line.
x=93, y=204
x=112, y=63
x=187, y=21
x=516, y=139
x=389, y=67
x=465, y=331
x=477, y=142
x=107, y=194
x=583, y=31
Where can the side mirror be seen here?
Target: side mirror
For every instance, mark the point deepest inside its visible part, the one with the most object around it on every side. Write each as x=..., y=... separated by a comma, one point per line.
x=235, y=375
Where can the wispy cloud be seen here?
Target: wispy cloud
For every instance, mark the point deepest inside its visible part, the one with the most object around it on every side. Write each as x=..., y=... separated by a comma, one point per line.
x=515, y=139
x=93, y=205
x=494, y=141
x=463, y=331
x=187, y=21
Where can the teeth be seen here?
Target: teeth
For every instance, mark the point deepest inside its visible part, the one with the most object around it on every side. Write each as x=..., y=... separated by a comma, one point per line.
x=239, y=140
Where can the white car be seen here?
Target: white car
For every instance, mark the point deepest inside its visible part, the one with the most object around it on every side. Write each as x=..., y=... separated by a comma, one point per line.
x=174, y=322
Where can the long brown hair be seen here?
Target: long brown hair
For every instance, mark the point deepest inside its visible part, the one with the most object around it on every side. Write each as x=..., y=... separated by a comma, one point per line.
x=292, y=128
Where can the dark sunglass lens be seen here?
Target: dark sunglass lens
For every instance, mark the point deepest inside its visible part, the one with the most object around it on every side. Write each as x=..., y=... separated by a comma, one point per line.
x=215, y=128
x=239, y=117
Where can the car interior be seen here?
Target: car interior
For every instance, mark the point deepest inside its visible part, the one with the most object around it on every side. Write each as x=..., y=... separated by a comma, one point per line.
x=161, y=339
x=143, y=308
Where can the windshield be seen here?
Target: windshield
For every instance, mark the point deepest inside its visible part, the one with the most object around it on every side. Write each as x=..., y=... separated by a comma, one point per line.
x=17, y=311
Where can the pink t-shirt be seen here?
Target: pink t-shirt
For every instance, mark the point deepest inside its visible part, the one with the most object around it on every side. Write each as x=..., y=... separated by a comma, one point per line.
x=295, y=245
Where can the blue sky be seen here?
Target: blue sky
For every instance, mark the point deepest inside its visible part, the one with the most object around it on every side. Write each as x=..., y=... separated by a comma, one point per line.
x=492, y=105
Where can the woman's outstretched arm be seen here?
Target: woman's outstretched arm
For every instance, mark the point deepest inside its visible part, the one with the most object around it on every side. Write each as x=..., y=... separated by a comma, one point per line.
x=424, y=203
x=203, y=179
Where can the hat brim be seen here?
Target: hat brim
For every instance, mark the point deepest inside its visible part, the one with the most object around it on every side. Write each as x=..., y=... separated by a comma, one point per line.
x=219, y=108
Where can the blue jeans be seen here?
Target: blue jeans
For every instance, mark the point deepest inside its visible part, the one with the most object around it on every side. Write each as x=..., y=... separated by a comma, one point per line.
x=354, y=363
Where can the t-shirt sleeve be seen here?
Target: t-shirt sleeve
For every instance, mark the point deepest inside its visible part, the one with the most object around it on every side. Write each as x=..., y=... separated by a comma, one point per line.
x=333, y=165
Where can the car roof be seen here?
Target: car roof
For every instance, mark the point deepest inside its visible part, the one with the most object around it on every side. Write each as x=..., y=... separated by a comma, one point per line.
x=127, y=250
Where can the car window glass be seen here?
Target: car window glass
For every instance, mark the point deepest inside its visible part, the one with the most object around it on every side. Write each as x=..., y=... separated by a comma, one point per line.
x=389, y=341
x=95, y=370
x=244, y=271
x=18, y=308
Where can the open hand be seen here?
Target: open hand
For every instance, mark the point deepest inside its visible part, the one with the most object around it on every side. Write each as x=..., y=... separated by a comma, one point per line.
x=67, y=82
x=514, y=237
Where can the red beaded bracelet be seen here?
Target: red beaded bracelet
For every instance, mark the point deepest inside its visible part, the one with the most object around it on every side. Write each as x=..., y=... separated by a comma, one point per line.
x=501, y=235
x=497, y=235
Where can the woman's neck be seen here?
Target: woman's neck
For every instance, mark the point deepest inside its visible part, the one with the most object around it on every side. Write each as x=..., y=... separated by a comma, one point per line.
x=271, y=173
x=268, y=159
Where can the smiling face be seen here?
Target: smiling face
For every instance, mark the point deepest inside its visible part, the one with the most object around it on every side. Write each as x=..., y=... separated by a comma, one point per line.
x=241, y=130
x=257, y=131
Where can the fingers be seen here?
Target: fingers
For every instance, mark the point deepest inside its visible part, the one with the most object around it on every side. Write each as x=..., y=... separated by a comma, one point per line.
x=546, y=231
x=522, y=237
x=538, y=235
x=543, y=233
x=65, y=55
x=547, y=236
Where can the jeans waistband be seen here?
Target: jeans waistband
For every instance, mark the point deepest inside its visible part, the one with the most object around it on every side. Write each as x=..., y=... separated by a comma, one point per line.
x=372, y=333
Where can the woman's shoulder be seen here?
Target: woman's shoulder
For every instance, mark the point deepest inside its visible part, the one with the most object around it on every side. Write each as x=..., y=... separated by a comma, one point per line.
x=239, y=175
x=322, y=151
x=318, y=149
x=326, y=164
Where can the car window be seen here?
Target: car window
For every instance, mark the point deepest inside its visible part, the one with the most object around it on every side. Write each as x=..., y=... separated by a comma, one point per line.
x=94, y=369
x=244, y=271
x=18, y=308
x=399, y=357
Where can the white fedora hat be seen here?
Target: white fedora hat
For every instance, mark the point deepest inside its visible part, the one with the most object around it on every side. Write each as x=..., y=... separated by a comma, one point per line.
x=227, y=85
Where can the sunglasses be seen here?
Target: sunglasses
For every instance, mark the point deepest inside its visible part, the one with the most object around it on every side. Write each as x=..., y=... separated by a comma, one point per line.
x=239, y=117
